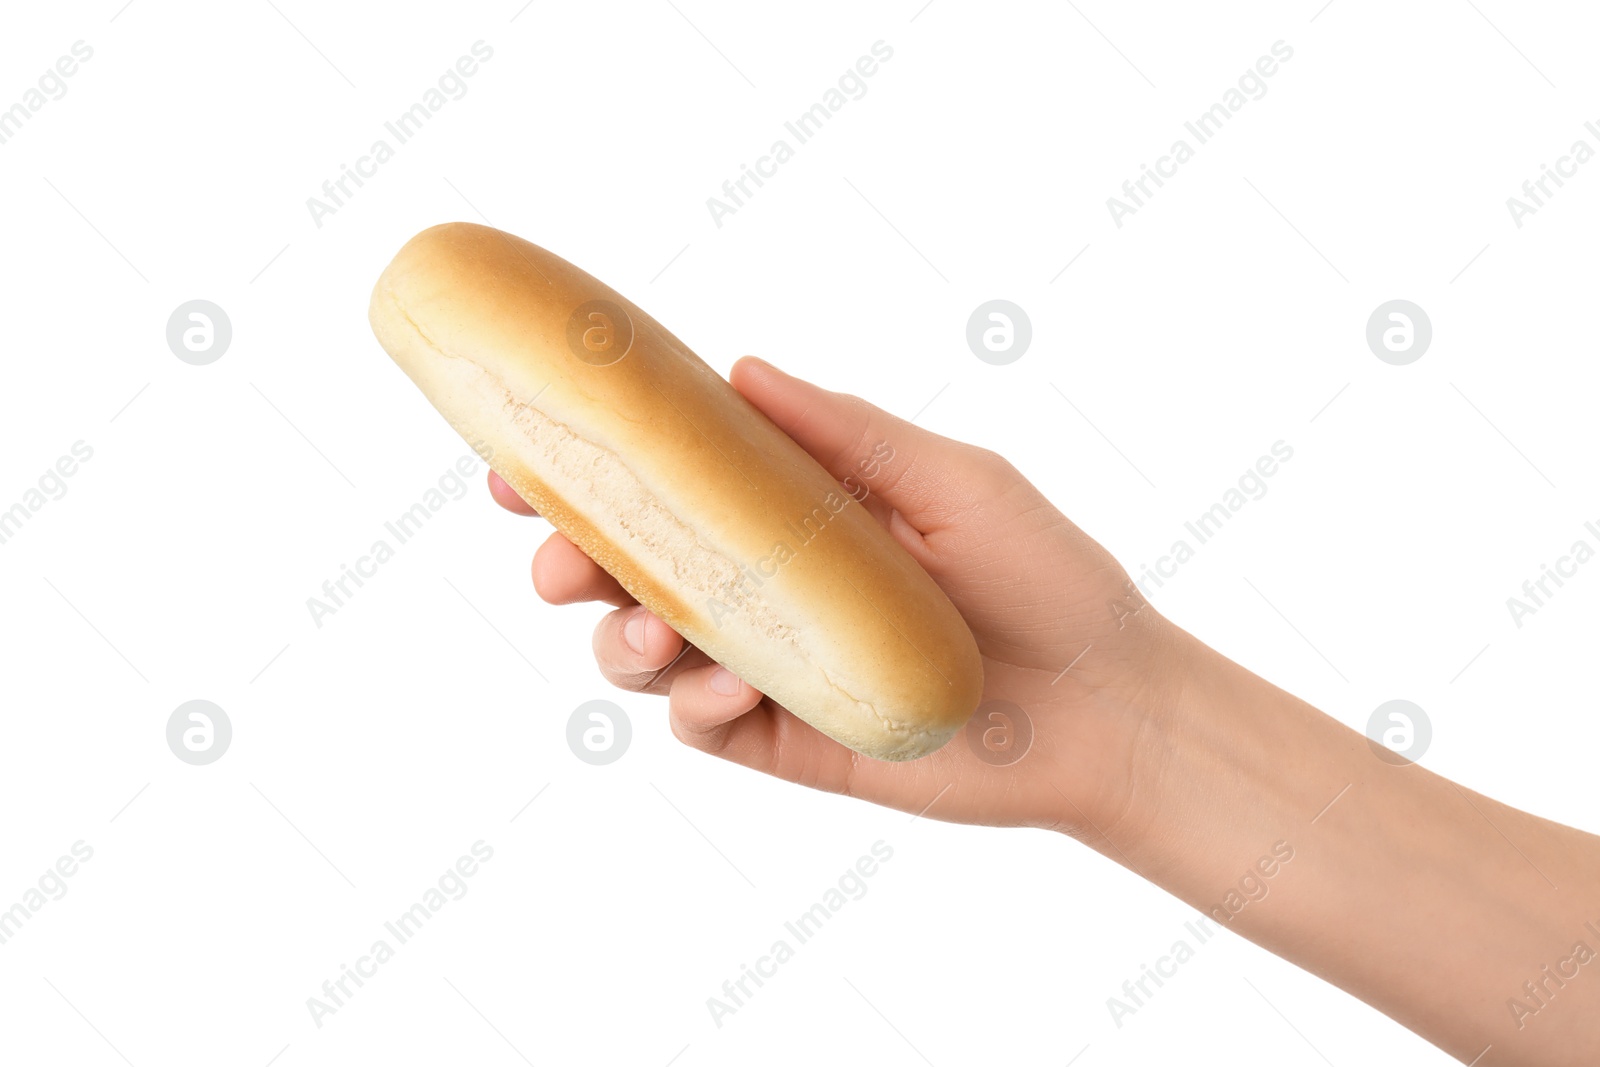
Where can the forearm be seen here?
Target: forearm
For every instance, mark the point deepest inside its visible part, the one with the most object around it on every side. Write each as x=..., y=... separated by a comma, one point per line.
x=1430, y=902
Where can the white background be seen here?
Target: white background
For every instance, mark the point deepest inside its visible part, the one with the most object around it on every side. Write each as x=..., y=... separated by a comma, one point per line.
x=368, y=754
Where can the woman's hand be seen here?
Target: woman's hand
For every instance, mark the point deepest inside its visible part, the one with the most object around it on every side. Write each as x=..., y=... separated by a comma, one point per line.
x=1074, y=659
x=1435, y=904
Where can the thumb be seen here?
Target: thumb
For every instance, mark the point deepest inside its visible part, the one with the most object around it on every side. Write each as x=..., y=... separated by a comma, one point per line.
x=932, y=481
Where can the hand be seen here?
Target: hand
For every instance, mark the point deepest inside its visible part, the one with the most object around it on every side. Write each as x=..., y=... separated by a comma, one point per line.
x=1429, y=901
x=1065, y=636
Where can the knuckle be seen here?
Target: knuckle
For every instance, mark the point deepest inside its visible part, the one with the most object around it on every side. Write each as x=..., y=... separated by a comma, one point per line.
x=621, y=678
x=711, y=740
x=993, y=463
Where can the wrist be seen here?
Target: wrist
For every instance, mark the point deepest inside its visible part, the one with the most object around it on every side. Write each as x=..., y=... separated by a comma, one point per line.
x=1121, y=717
x=1220, y=766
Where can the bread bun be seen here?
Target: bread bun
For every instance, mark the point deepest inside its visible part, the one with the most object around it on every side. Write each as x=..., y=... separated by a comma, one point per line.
x=704, y=511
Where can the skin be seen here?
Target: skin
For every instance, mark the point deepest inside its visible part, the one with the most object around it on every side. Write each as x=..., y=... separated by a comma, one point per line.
x=1431, y=902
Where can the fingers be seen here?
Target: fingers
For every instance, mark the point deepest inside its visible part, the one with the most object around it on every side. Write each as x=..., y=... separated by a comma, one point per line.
x=638, y=652
x=717, y=713
x=507, y=497
x=563, y=574
x=705, y=700
x=712, y=709
x=932, y=481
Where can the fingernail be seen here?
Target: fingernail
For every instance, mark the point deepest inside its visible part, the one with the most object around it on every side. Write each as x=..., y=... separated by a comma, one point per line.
x=724, y=681
x=633, y=631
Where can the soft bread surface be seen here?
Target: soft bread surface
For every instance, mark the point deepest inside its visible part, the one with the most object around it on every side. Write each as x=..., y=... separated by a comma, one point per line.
x=704, y=511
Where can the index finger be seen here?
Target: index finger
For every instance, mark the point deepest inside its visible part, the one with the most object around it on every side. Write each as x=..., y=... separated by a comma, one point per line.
x=507, y=497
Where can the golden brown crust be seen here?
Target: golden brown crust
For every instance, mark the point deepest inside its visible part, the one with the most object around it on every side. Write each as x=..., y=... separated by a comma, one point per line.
x=703, y=510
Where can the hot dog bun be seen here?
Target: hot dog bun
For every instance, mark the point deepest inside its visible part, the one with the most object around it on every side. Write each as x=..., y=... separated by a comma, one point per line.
x=702, y=509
